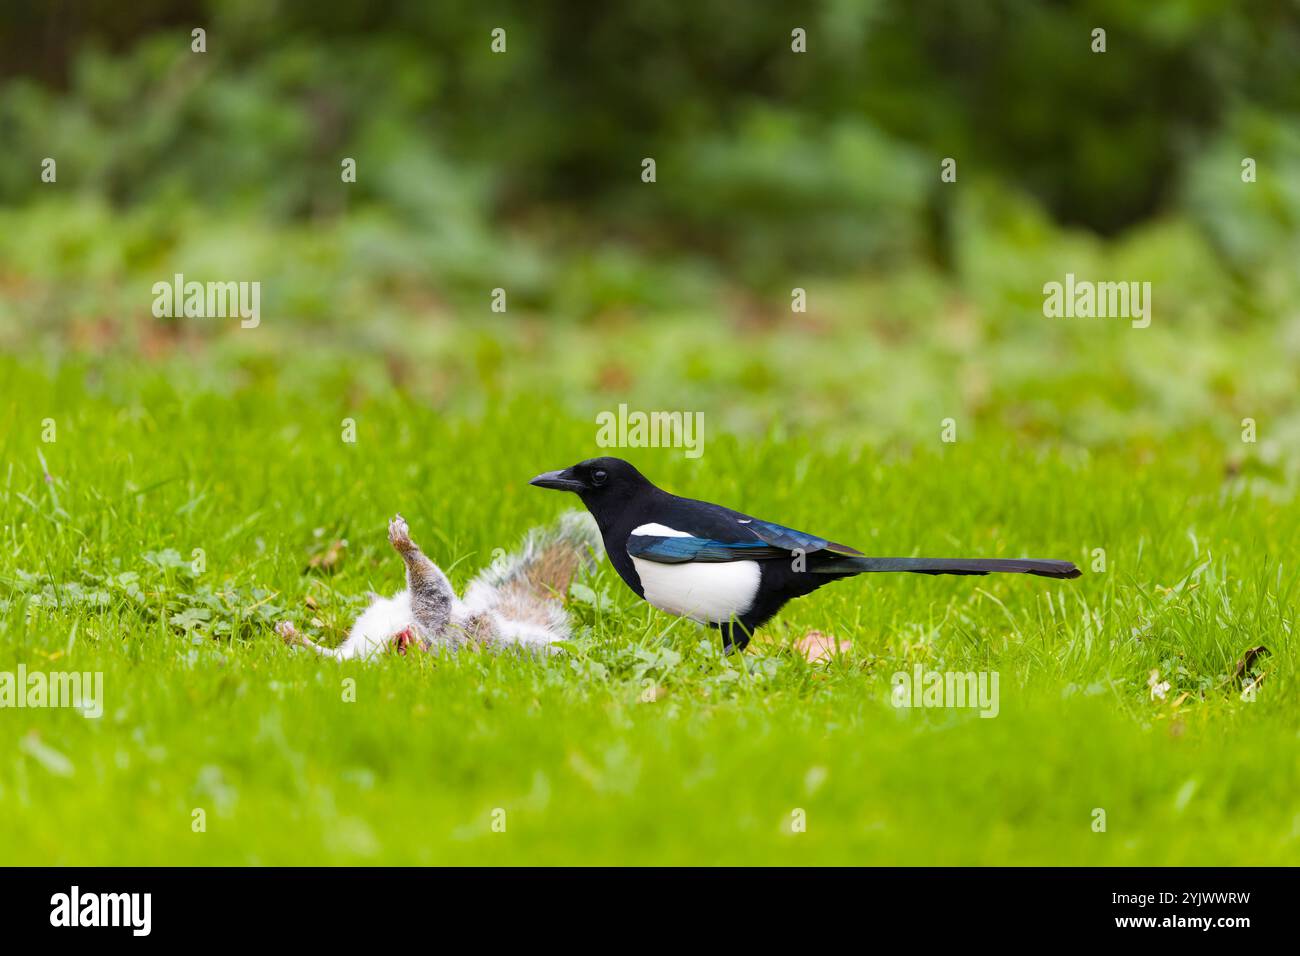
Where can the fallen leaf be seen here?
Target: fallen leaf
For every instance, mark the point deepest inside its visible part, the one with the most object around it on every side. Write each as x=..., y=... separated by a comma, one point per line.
x=613, y=377
x=1247, y=662
x=816, y=646
x=329, y=557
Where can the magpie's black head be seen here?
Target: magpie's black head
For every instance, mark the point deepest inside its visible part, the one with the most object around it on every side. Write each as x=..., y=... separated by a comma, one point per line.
x=602, y=483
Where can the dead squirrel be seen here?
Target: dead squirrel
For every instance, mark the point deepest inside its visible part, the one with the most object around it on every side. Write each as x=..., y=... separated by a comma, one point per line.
x=516, y=601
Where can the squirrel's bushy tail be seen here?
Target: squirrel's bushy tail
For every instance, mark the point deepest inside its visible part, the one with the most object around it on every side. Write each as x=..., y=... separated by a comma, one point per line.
x=527, y=587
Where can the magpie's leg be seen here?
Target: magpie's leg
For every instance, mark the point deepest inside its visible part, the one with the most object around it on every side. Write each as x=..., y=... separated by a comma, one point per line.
x=734, y=636
x=431, y=593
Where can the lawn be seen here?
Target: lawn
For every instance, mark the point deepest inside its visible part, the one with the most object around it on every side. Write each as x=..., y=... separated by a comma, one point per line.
x=641, y=743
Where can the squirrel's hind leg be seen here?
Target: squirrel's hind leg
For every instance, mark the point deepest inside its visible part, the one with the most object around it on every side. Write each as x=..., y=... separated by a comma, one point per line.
x=431, y=593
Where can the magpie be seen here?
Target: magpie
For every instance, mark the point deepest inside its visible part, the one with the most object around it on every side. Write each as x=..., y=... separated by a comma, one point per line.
x=723, y=568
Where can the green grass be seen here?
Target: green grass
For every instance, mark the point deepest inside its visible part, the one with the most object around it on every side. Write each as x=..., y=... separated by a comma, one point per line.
x=206, y=709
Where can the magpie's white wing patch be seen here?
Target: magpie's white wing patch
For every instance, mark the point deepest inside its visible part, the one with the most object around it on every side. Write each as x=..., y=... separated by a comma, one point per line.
x=660, y=531
x=709, y=593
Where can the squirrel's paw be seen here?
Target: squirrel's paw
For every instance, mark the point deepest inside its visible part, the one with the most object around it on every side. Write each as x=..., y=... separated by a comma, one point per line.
x=287, y=631
x=399, y=534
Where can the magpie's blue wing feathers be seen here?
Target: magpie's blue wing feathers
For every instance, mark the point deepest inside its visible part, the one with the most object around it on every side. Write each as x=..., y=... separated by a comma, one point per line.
x=790, y=540
x=675, y=550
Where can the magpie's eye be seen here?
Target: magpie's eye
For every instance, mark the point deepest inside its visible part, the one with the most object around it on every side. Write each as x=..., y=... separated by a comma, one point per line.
x=598, y=476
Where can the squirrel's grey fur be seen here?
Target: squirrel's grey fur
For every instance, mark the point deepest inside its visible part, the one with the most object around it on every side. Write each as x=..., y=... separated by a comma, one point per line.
x=516, y=601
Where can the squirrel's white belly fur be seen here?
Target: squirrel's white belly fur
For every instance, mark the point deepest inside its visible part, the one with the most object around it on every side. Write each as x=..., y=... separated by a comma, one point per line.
x=378, y=624
x=386, y=618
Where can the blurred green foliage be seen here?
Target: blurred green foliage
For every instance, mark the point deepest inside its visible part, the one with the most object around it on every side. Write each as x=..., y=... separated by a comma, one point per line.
x=775, y=170
x=766, y=158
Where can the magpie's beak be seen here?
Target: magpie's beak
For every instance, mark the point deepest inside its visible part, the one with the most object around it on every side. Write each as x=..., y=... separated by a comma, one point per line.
x=559, y=480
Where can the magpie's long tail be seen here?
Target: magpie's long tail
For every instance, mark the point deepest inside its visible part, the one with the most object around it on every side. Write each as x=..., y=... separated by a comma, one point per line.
x=1046, y=569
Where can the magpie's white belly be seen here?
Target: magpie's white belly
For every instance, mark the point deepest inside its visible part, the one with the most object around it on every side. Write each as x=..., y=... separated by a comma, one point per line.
x=711, y=593
x=706, y=592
